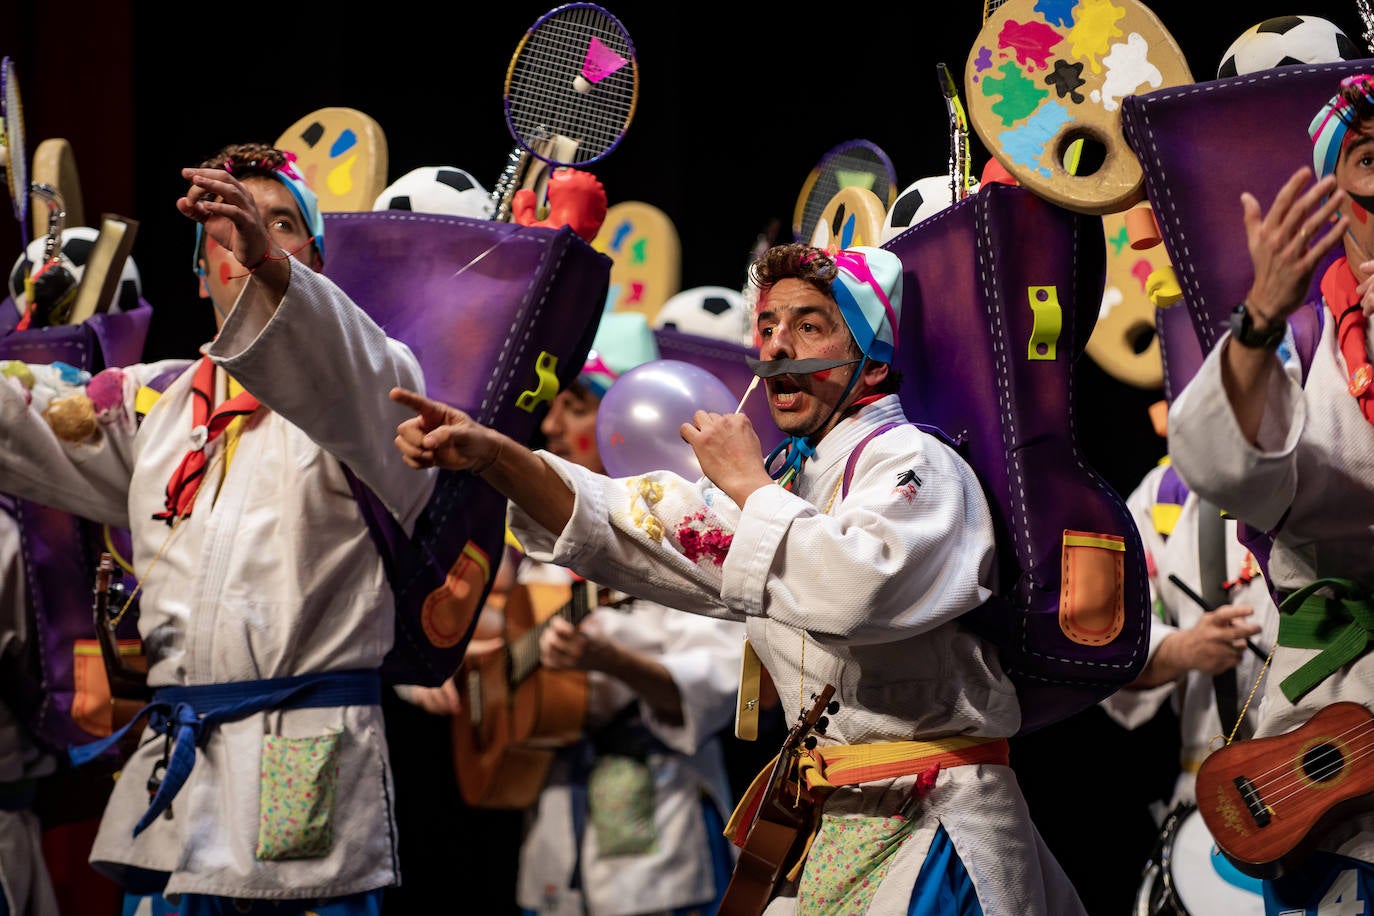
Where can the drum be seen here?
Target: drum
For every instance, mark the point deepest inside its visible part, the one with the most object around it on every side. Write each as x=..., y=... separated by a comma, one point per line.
x=1188, y=875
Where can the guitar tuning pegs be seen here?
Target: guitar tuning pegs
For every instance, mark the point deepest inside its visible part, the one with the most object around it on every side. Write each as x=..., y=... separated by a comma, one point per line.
x=810, y=744
x=833, y=707
x=821, y=724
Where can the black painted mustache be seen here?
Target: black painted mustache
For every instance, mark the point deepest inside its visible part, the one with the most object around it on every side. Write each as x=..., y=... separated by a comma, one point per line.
x=771, y=368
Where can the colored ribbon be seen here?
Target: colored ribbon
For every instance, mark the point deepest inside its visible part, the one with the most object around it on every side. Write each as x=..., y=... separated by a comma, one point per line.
x=206, y=427
x=188, y=713
x=1339, y=289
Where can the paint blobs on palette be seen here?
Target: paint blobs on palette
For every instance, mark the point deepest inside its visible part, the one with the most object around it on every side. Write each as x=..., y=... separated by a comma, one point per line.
x=1044, y=74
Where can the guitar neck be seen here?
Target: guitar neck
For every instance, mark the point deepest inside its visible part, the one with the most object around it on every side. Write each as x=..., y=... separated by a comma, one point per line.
x=524, y=650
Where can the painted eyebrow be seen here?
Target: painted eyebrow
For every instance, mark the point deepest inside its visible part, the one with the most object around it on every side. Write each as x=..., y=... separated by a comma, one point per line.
x=1361, y=140
x=286, y=212
x=799, y=310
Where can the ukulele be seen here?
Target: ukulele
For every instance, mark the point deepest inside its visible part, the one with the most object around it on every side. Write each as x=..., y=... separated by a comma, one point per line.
x=1268, y=801
x=780, y=826
x=515, y=712
x=127, y=683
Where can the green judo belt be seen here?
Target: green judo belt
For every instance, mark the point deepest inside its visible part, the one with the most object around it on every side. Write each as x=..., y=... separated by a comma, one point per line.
x=1340, y=624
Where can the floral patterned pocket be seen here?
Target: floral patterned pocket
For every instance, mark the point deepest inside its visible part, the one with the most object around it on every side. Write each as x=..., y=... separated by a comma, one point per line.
x=620, y=795
x=847, y=861
x=296, y=796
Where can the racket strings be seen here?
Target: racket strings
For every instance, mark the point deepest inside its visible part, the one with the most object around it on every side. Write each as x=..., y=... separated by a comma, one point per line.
x=542, y=98
x=1284, y=782
x=841, y=169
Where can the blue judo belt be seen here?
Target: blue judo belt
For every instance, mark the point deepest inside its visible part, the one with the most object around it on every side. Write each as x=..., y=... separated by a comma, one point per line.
x=187, y=714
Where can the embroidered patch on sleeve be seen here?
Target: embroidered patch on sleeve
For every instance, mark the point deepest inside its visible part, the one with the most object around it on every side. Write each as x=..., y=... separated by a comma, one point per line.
x=908, y=482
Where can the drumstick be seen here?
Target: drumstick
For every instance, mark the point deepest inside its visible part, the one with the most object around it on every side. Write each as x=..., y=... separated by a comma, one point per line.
x=752, y=384
x=1206, y=606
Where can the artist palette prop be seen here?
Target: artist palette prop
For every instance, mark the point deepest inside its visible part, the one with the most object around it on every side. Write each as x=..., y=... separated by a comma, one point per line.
x=1123, y=342
x=646, y=256
x=1195, y=170
x=342, y=155
x=854, y=216
x=500, y=317
x=1042, y=76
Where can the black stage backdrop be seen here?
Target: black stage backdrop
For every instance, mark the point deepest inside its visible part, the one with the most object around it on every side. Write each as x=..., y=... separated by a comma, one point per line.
x=737, y=102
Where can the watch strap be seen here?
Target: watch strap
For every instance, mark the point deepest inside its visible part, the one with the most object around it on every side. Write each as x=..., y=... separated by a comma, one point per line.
x=1244, y=332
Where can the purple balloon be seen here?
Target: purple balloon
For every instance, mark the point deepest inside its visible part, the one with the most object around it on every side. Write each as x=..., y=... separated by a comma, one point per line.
x=638, y=421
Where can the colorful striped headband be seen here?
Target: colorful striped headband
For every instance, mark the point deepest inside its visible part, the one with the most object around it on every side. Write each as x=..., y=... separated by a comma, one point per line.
x=868, y=289
x=1331, y=126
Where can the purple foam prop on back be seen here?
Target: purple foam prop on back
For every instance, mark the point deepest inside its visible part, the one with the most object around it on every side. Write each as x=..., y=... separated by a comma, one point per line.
x=60, y=550
x=499, y=316
x=1179, y=348
x=724, y=360
x=1197, y=158
x=1195, y=169
x=966, y=327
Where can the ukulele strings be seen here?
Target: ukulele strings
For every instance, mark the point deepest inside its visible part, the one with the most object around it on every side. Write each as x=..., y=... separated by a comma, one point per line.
x=1289, y=783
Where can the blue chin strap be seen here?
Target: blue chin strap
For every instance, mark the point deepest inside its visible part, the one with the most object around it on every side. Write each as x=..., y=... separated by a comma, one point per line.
x=800, y=448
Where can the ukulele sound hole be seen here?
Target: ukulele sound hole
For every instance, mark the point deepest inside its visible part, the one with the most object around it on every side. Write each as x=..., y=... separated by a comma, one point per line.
x=1322, y=762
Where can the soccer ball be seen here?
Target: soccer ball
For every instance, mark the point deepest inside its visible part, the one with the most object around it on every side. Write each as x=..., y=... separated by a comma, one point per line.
x=1286, y=40
x=77, y=243
x=717, y=312
x=437, y=189
x=921, y=199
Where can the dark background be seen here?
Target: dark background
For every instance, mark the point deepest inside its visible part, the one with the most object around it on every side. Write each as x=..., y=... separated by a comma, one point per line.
x=737, y=102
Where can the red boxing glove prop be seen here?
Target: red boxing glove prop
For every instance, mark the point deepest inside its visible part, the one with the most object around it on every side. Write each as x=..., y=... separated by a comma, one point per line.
x=576, y=200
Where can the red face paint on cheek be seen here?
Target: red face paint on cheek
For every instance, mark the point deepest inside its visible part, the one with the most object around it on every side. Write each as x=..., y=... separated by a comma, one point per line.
x=821, y=375
x=224, y=270
x=583, y=443
x=1360, y=213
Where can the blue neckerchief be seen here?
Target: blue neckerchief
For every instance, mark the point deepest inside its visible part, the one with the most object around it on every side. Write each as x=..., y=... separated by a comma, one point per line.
x=799, y=448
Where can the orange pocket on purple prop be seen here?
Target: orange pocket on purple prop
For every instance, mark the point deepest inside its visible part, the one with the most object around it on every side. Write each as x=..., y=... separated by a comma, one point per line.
x=93, y=709
x=1091, y=592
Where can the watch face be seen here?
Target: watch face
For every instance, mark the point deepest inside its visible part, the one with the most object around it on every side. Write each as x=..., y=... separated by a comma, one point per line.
x=1243, y=330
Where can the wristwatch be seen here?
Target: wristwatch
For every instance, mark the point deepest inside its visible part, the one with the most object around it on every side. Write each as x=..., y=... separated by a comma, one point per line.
x=1244, y=333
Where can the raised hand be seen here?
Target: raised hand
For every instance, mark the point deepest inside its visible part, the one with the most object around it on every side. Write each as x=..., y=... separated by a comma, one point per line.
x=1288, y=242
x=227, y=210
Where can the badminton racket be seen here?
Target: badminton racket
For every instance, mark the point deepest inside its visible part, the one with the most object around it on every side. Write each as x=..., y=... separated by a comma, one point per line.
x=17, y=162
x=570, y=94
x=855, y=163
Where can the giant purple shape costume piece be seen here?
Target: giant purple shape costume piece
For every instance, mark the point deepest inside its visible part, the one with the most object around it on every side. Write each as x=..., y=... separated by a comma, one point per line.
x=61, y=550
x=500, y=317
x=1200, y=146
x=979, y=287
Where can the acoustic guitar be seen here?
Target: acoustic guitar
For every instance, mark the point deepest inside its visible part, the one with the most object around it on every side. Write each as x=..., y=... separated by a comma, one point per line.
x=1268, y=801
x=780, y=824
x=516, y=713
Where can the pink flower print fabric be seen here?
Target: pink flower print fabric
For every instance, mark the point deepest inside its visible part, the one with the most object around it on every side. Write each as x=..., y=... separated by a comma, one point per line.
x=700, y=538
x=848, y=860
x=296, y=796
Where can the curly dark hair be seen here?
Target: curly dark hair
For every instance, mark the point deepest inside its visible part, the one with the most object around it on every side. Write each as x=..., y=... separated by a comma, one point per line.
x=247, y=159
x=813, y=266
x=794, y=261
